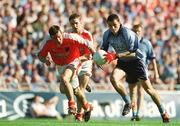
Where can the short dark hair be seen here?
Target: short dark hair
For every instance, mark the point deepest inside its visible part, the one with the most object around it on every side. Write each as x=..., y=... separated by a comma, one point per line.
x=113, y=17
x=136, y=26
x=73, y=16
x=53, y=30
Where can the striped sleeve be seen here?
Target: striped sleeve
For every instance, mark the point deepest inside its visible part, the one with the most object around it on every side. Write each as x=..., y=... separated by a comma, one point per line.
x=79, y=39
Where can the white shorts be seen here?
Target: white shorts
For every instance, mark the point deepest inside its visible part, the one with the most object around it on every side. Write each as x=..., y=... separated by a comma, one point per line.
x=86, y=68
x=75, y=65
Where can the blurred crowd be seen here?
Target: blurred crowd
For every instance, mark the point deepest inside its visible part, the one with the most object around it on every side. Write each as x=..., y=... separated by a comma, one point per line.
x=24, y=23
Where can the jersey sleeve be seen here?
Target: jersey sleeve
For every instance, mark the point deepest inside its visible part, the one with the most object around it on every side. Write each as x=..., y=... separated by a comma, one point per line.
x=79, y=40
x=132, y=40
x=105, y=43
x=43, y=42
x=150, y=54
x=43, y=52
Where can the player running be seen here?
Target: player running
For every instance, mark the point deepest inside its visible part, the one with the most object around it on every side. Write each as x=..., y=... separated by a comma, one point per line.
x=86, y=70
x=124, y=42
x=63, y=48
x=137, y=90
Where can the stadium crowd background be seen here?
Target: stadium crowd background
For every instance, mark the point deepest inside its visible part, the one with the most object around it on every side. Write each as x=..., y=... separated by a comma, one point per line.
x=24, y=23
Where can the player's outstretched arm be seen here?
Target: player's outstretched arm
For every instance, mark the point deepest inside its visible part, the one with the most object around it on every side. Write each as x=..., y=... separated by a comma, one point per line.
x=80, y=40
x=42, y=55
x=126, y=54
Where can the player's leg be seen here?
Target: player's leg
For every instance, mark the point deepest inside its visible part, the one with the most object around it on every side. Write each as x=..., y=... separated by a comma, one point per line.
x=66, y=78
x=83, y=103
x=83, y=81
x=155, y=97
x=140, y=98
x=84, y=75
x=141, y=73
x=116, y=80
x=133, y=94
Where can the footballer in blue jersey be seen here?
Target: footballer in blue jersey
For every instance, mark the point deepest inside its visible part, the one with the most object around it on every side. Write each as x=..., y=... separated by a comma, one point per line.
x=126, y=47
x=148, y=56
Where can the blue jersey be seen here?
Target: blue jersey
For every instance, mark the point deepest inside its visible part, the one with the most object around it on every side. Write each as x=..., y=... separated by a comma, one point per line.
x=147, y=50
x=125, y=40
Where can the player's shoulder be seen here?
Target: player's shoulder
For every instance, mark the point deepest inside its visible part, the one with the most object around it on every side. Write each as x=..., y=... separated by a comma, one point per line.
x=147, y=42
x=49, y=41
x=107, y=33
x=68, y=34
x=127, y=31
x=71, y=36
x=86, y=32
x=69, y=31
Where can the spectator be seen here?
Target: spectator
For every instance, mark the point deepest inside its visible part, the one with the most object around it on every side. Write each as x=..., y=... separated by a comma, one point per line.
x=22, y=28
x=47, y=108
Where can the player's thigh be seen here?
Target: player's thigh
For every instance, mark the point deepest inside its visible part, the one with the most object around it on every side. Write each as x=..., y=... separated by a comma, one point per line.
x=140, y=90
x=67, y=74
x=75, y=82
x=133, y=90
x=146, y=84
x=83, y=80
x=86, y=68
x=117, y=75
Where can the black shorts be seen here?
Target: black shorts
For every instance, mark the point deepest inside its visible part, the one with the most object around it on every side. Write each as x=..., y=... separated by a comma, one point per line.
x=135, y=69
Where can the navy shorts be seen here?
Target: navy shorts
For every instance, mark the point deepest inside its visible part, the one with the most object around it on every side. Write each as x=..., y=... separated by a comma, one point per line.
x=135, y=69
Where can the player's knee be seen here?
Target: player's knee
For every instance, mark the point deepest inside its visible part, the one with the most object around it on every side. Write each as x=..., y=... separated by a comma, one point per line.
x=65, y=79
x=77, y=91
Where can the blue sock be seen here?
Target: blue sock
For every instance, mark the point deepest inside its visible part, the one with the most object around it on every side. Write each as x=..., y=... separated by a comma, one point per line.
x=161, y=109
x=133, y=113
x=137, y=113
x=126, y=99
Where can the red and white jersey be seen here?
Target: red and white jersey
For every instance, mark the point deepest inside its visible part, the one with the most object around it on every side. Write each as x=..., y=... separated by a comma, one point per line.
x=63, y=54
x=86, y=35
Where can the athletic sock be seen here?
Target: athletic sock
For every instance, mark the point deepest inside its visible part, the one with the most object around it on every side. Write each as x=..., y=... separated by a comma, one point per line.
x=161, y=109
x=133, y=113
x=126, y=99
x=137, y=113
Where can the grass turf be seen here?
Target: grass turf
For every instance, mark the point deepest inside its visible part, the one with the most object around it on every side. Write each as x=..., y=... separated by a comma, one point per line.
x=71, y=122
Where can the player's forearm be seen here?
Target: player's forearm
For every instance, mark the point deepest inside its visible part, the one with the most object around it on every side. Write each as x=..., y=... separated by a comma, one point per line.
x=83, y=58
x=43, y=59
x=155, y=68
x=126, y=54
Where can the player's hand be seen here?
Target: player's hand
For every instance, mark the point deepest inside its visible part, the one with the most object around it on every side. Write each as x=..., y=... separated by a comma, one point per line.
x=109, y=57
x=157, y=80
x=48, y=63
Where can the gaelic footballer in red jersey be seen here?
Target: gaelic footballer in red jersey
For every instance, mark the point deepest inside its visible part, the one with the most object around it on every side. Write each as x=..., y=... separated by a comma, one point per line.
x=86, y=69
x=63, y=48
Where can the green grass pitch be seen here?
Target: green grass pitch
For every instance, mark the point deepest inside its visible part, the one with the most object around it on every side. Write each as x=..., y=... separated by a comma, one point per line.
x=71, y=122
